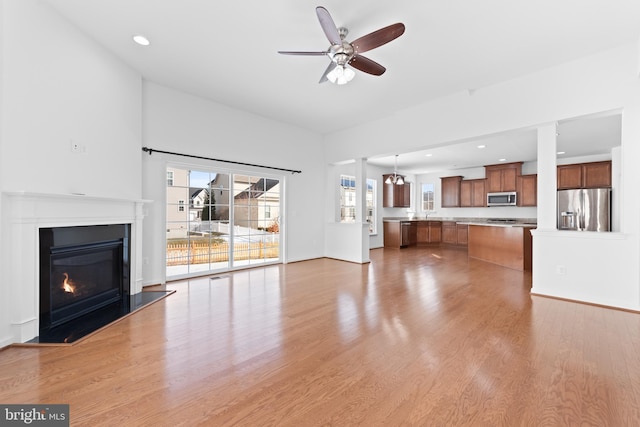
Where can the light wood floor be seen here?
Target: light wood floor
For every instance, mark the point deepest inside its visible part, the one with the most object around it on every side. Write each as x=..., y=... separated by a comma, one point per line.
x=421, y=336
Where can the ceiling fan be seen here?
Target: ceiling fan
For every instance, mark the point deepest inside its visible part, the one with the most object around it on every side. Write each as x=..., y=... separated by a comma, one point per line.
x=343, y=53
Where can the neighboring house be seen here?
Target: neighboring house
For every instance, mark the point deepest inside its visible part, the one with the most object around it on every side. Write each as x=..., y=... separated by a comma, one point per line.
x=177, y=203
x=197, y=198
x=256, y=202
x=258, y=205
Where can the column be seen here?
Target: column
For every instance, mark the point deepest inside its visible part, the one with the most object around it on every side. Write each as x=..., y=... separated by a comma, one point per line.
x=547, y=178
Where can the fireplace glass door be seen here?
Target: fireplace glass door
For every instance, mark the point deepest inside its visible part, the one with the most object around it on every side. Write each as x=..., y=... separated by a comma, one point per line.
x=84, y=278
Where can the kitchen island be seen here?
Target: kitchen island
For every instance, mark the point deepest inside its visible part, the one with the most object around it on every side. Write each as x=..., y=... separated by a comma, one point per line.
x=508, y=245
x=506, y=242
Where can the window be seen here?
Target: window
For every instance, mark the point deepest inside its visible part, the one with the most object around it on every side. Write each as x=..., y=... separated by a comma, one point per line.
x=348, y=201
x=347, y=198
x=371, y=205
x=220, y=220
x=428, y=197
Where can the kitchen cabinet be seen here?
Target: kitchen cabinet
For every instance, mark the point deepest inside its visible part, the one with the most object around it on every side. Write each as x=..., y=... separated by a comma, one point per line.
x=528, y=190
x=399, y=234
x=422, y=233
x=584, y=175
x=450, y=189
x=502, y=177
x=395, y=196
x=449, y=232
x=462, y=234
x=435, y=231
x=428, y=232
x=454, y=234
x=596, y=174
x=392, y=234
x=569, y=176
x=473, y=193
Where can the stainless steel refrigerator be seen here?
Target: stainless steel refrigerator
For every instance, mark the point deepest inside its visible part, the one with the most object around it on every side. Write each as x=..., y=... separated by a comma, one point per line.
x=584, y=209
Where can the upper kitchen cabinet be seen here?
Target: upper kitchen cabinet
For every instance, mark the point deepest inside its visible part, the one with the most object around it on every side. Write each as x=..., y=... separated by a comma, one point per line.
x=450, y=187
x=528, y=190
x=503, y=177
x=395, y=196
x=473, y=193
x=584, y=175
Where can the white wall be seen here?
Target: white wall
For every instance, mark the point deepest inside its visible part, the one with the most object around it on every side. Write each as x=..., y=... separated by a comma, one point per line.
x=604, y=82
x=59, y=86
x=178, y=122
x=5, y=303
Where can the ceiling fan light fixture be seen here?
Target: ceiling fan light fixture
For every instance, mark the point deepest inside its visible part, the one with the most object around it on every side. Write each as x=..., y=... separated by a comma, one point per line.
x=341, y=75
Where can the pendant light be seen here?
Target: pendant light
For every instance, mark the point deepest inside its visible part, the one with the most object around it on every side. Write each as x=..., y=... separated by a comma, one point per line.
x=395, y=179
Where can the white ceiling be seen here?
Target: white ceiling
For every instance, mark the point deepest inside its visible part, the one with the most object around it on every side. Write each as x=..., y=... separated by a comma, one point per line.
x=586, y=136
x=227, y=51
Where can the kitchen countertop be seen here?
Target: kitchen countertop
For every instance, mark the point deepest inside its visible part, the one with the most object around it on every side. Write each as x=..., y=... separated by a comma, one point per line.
x=491, y=222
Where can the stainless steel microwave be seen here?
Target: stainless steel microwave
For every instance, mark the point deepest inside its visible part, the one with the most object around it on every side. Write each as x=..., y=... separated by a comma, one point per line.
x=507, y=198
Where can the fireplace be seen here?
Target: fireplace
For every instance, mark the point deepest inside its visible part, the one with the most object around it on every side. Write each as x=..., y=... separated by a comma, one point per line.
x=84, y=270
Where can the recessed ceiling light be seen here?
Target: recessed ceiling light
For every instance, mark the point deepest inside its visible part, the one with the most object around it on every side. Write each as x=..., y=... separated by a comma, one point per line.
x=560, y=152
x=428, y=155
x=482, y=146
x=141, y=40
x=502, y=160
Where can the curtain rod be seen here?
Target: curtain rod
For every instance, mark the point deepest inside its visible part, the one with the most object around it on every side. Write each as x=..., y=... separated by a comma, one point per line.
x=151, y=151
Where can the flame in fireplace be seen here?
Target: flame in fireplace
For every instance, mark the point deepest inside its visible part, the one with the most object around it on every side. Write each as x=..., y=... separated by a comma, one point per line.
x=68, y=285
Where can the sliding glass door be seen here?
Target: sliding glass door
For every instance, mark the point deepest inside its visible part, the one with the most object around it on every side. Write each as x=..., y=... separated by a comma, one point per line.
x=218, y=221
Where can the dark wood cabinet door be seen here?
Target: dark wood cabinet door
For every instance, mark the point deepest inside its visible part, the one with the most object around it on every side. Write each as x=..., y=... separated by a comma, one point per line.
x=528, y=190
x=449, y=233
x=450, y=189
x=422, y=232
x=569, y=176
x=596, y=175
x=466, y=195
x=406, y=195
x=494, y=180
x=435, y=231
x=392, y=234
x=478, y=193
x=462, y=234
x=398, y=196
x=509, y=176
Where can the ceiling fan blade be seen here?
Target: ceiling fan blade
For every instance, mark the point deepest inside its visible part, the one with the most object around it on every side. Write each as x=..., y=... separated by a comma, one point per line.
x=378, y=38
x=367, y=65
x=328, y=26
x=329, y=69
x=290, y=52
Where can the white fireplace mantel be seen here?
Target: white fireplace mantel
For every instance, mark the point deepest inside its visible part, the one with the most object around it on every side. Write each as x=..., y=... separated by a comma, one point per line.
x=27, y=212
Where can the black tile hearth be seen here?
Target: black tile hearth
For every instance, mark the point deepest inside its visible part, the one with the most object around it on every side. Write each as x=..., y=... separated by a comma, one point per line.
x=80, y=327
